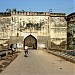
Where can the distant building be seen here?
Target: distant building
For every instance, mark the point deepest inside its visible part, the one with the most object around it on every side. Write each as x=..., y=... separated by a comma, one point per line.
x=37, y=29
x=71, y=31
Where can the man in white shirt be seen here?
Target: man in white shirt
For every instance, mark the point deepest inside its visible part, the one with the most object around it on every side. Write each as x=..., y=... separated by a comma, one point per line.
x=26, y=49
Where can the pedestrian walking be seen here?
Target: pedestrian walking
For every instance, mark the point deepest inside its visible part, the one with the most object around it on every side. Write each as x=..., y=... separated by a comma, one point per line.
x=26, y=50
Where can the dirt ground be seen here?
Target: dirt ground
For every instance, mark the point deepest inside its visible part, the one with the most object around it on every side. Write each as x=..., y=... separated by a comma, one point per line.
x=6, y=60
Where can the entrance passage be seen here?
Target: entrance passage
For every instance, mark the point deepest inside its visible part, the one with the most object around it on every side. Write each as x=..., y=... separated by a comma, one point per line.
x=31, y=42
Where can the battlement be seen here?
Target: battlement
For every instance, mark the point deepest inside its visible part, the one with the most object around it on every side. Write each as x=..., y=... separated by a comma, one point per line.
x=27, y=13
x=30, y=13
x=71, y=15
x=37, y=13
x=57, y=14
x=5, y=14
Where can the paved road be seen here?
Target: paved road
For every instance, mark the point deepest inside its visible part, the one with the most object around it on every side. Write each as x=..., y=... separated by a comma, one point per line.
x=39, y=62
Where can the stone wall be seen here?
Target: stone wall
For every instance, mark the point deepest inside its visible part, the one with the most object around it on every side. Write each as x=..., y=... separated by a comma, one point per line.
x=71, y=32
x=50, y=29
x=42, y=41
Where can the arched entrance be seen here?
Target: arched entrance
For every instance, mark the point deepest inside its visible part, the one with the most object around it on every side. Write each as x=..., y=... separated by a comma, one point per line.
x=31, y=42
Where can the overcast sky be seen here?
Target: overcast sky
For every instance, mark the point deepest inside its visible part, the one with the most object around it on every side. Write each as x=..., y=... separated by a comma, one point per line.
x=65, y=6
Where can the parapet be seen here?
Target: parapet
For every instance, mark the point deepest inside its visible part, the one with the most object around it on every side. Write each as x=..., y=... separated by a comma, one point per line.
x=5, y=14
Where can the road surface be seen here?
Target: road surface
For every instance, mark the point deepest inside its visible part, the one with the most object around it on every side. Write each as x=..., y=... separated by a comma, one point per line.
x=39, y=62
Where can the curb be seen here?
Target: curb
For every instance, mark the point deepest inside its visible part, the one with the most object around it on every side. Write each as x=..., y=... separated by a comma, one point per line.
x=63, y=56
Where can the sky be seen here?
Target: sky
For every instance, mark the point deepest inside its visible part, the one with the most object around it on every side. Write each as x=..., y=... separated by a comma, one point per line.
x=57, y=6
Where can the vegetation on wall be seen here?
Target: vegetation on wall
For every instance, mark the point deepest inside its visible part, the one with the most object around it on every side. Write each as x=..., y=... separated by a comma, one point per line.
x=36, y=26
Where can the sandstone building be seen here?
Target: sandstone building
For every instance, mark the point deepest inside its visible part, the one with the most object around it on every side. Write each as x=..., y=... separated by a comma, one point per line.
x=35, y=29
